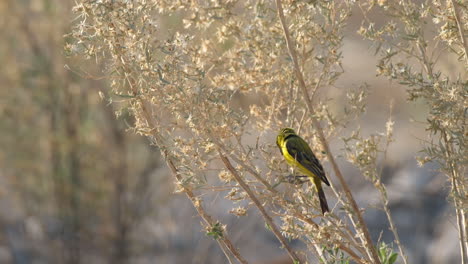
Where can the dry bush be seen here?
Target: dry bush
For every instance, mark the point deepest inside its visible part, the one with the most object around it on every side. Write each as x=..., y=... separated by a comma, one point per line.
x=211, y=82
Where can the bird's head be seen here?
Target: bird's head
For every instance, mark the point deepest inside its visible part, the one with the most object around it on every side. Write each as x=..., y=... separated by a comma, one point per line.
x=284, y=133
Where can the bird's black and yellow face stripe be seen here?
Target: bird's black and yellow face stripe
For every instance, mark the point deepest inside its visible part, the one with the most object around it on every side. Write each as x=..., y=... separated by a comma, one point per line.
x=284, y=134
x=287, y=130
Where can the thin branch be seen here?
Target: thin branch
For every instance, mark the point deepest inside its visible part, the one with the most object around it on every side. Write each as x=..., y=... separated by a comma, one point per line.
x=461, y=221
x=463, y=40
x=301, y=216
x=244, y=165
x=260, y=207
x=340, y=245
x=361, y=224
x=461, y=218
x=296, y=213
x=383, y=193
x=351, y=253
x=279, y=196
x=392, y=225
x=222, y=240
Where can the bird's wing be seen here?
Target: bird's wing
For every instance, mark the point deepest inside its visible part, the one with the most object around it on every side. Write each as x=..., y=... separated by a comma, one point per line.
x=299, y=149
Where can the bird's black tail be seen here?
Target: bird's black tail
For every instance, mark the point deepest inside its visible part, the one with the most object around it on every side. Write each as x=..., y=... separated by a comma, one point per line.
x=323, y=200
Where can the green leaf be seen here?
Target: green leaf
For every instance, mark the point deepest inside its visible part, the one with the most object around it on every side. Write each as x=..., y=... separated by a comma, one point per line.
x=124, y=95
x=383, y=252
x=216, y=231
x=393, y=257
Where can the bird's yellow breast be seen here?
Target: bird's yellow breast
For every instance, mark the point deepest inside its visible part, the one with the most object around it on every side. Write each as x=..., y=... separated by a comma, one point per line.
x=293, y=162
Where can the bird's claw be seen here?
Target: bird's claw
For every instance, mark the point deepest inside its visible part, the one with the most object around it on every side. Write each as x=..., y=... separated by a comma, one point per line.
x=296, y=179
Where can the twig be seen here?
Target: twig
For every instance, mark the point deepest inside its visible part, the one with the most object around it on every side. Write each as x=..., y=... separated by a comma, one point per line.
x=383, y=193
x=351, y=253
x=244, y=165
x=260, y=207
x=201, y=211
x=461, y=216
x=461, y=220
x=457, y=14
x=340, y=245
x=361, y=224
x=223, y=240
x=296, y=213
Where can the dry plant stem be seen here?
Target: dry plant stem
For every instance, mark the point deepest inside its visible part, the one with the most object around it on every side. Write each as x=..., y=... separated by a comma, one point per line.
x=226, y=254
x=461, y=222
x=223, y=240
x=383, y=194
x=315, y=249
x=340, y=245
x=463, y=40
x=297, y=214
x=361, y=224
x=260, y=207
x=349, y=237
x=351, y=254
x=244, y=165
x=461, y=217
x=393, y=228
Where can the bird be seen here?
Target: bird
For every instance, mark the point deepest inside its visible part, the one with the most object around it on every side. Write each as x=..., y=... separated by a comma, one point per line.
x=298, y=154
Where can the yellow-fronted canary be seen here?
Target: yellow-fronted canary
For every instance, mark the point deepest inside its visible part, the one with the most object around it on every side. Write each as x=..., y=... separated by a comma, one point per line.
x=299, y=155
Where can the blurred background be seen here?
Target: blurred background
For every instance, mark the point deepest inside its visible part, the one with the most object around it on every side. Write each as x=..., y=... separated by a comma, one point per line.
x=77, y=186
